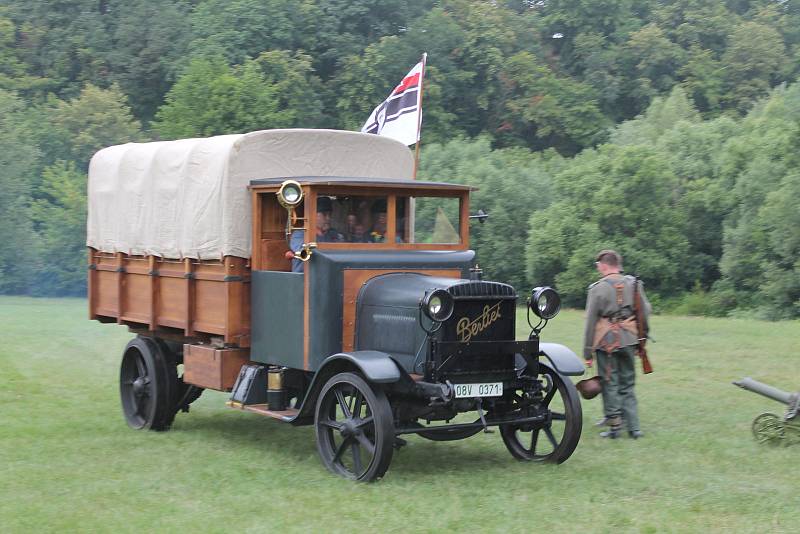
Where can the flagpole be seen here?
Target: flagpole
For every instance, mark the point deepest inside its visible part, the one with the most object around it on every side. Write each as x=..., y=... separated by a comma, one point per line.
x=419, y=114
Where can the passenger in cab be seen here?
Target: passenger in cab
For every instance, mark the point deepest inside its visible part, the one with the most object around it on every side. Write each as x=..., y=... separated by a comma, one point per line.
x=378, y=232
x=354, y=231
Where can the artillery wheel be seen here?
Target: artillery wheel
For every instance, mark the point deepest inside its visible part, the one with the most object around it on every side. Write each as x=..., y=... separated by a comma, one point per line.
x=768, y=428
x=561, y=430
x=147, y=385
x=355, y=428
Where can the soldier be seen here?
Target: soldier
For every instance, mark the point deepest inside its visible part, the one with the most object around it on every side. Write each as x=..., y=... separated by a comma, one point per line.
x=611, y=333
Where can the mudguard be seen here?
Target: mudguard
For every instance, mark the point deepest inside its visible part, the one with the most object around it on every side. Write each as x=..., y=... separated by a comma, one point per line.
x=377, y=366
x=563, y=360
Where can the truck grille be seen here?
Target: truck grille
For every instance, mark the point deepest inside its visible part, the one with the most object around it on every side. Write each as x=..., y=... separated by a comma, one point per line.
x=484, y=314
x=481, y=289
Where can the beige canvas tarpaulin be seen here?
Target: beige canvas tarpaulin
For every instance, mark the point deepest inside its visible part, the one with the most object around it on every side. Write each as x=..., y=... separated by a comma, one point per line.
x=189, y=198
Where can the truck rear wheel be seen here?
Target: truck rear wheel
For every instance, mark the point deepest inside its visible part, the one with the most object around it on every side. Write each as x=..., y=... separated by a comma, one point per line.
x=184, y=394
x=355, y=428
x=147, y=385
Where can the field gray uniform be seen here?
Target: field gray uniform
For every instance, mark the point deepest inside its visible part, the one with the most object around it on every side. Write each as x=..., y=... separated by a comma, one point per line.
x=611, y=334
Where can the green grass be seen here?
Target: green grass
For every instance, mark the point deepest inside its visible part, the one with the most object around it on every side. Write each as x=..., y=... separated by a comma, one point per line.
x=69, y=462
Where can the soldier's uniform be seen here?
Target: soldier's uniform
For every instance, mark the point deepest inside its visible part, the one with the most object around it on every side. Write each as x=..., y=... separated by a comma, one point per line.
x=611, y=333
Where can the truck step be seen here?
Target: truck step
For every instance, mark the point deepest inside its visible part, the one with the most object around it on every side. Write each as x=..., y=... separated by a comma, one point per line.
x=286, y=415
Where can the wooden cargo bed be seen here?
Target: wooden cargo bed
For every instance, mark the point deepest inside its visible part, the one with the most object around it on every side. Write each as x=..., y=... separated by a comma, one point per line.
x=189, y=298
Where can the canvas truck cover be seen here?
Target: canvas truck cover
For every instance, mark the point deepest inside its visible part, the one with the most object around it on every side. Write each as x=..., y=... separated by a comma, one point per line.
x=189, y=198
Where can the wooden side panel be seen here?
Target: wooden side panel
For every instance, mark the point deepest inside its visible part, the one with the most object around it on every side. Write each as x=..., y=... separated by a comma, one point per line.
x=273, y=215
x=255, y=230
x=105, y=293
x=199, y=298
x=171, y=302
x=211, y=307
x=354, y=279
x=91, y=289
x=212, y=368
x=271, y=234
x=273, y=255
x=136, y=295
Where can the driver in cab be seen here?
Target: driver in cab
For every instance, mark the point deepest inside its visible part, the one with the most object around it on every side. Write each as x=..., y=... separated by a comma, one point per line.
x=324, y=232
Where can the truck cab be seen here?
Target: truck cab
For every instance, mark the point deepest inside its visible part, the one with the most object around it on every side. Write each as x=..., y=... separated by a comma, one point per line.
x=374, y=228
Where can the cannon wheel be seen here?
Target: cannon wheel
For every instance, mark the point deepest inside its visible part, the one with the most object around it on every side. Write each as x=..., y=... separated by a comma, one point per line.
x=147, y=385
x=769, y=428
x=355, y=428
x=556, y=439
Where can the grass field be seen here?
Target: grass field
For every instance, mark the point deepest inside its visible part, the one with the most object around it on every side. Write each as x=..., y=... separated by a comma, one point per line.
x=69, y=462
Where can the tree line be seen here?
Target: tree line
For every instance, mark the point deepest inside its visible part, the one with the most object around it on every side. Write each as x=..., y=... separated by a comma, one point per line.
x=665, y=128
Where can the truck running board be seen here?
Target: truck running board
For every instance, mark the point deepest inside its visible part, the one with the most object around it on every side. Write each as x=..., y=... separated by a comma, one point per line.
x=288, y=415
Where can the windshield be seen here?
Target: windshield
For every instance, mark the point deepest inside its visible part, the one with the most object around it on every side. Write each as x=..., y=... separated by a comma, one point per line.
x=365, y=219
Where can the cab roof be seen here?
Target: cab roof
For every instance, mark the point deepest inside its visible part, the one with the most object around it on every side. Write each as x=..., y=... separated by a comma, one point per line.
x=362, y=181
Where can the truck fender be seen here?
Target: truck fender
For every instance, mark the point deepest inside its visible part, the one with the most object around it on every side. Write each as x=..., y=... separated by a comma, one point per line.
x=563, y=360
x=375, y=365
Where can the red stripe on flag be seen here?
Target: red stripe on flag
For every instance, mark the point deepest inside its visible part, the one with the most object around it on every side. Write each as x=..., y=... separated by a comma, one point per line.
x=407, y=82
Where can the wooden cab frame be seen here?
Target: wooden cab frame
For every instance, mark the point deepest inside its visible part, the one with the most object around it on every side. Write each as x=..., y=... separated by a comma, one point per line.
x=269, y=217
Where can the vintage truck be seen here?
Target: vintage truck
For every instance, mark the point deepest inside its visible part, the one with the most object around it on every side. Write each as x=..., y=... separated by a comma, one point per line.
x=307, y=274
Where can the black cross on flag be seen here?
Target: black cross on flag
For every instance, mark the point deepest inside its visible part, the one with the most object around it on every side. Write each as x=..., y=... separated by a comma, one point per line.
x=399, y=116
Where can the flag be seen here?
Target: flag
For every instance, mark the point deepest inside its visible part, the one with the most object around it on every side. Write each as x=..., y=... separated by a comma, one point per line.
x=400, y=115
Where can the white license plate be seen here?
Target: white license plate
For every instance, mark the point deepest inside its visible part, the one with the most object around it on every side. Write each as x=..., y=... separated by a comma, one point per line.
x=488, y=389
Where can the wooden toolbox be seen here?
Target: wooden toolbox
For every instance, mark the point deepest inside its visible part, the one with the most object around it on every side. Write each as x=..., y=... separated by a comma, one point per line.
x=213, y=368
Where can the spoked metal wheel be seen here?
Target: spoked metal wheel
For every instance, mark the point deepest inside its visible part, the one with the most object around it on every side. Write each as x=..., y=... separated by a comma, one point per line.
x=355, y=428
x=147, y=385
x=555, y=439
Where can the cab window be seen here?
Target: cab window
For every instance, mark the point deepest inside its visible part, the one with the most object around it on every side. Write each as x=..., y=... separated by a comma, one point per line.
x=433, y=220
x=357, y=219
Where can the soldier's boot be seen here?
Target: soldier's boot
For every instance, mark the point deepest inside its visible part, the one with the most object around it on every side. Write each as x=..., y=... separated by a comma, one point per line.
x=612, y=433
x=606, y=421
x=635, y=434
x=615, y=428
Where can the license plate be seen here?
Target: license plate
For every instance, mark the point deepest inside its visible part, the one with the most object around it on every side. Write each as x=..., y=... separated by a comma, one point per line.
x=488, y=389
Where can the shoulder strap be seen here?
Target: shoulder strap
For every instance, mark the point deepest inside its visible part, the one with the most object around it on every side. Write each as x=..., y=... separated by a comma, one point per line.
x=619, y=287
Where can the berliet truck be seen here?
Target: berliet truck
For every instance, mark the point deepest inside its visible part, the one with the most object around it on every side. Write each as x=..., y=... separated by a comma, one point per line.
x=308, y=275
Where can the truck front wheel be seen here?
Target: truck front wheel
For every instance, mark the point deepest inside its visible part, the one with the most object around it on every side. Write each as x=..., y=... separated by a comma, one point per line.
x=147, y=382
x=355, y=428
x=555, y=439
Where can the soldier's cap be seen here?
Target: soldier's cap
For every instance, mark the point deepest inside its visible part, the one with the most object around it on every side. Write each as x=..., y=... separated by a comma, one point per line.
x=609, y=252
x=324, y=205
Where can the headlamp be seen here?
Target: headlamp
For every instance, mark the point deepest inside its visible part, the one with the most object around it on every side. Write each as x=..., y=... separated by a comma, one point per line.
x=545, y=302
x=437, y=305
x=290, y=194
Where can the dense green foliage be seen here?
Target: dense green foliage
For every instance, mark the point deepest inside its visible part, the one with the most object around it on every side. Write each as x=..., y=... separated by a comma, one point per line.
x=665, y=128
